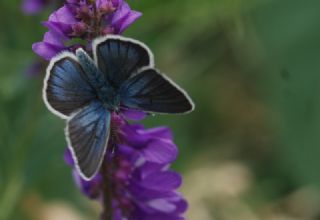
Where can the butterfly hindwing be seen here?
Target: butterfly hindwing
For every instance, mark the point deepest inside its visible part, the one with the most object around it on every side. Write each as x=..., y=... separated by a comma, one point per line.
x=119, y=58
x=87, y=133
x=151, y=91
x=66, y=88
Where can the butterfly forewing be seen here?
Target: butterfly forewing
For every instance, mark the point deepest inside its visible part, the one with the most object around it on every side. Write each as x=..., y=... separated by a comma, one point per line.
x=120, y=58
x=66, y=89
x=87, y=133
x=153, y=92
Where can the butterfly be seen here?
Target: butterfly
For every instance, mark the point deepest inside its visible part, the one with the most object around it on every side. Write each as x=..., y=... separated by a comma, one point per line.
x=85, y=92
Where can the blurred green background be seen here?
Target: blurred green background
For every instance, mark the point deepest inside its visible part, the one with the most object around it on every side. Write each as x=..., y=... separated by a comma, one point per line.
x=251, y=149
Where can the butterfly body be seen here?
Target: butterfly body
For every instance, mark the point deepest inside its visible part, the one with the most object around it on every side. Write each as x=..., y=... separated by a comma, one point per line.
x=86, y=91
x=103, y=89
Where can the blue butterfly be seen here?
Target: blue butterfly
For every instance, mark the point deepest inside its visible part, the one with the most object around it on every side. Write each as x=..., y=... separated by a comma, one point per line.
x=86, y=91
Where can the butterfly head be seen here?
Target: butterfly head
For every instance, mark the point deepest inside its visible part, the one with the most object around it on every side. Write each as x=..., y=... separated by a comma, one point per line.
x=110, y=100
x=104, y=88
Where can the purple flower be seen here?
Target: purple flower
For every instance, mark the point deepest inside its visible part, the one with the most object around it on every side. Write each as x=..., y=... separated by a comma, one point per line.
x=83, y=20
x=52, y=44
x=33, y=6
x=134, y=181
x=138, y=176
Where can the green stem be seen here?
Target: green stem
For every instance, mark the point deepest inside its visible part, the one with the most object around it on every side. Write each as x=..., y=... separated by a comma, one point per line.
x=107, y=192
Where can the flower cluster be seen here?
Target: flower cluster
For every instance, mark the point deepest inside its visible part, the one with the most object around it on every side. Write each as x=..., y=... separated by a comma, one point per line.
x=135, y=181
x=86, y=20
x=137, y=176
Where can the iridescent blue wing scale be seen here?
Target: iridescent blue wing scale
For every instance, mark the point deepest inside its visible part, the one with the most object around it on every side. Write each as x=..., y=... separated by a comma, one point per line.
x=66, y=88
x=120, y=58
x=151, y=91
x=87, y=133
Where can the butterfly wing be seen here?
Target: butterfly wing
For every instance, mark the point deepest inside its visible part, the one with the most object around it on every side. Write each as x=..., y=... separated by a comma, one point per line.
x=95, y=77
x=151, y=91
x=119, y=58
x=87, y=134
x=66, y=88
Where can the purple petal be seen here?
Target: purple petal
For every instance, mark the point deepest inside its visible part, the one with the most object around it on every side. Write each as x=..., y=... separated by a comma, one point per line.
x=134, y=115
x=68, y=157
x=181, y=206
x=163, y=181
x=124, y=17
x=126, y=150
x=52, y=44
x=142, y=215
x=53, y=37
x=117, y=214
x=117, y=3
x=158, y=132
x=137, y=136
x=162, y=205
x=172, y=206
x=144, y=194
x=122, y=11
x=46, y=50
x=149, y=168
x=161, y=151
x=63, y=15
x=132, y=137
x=91, y=188
x=62, y=30
x=163, y=216
x=129, y=19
